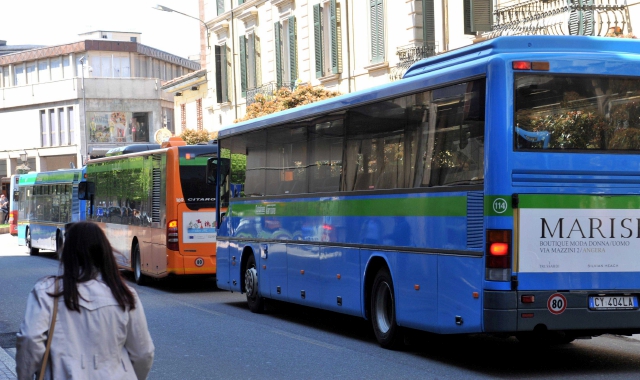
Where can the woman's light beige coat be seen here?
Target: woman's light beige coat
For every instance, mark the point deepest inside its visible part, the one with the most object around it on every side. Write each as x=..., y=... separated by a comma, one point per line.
x=101, y=342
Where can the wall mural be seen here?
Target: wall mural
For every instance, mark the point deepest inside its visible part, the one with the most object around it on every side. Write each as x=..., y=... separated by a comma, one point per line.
x=117, y=127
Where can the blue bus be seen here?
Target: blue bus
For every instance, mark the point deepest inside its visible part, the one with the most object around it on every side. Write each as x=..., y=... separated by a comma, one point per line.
x=46, y=202
x=494, y=189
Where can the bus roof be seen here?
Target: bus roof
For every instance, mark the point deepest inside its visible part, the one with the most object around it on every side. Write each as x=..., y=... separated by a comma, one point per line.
x=52, y=177
x=134, y=148
x=183, y=149
x=525, y=44
x=479, y=51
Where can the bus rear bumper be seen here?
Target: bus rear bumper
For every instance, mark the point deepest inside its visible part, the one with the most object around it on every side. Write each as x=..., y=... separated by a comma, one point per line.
x=505, y=312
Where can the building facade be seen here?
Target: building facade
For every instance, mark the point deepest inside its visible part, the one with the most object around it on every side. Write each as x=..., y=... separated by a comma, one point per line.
x=62, y=104
x=189, y=91
x=258, y=46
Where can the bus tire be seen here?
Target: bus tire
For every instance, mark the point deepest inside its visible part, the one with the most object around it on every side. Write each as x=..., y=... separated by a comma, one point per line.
x=32, y=251
x=137, y=266
x=255, y=302
x=383, y=311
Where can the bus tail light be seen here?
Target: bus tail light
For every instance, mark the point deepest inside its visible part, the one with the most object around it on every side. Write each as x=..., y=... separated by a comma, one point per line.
x=526, y=65
x=172, y=235
x=13, y=218
x=521, y=65
x=498, y=256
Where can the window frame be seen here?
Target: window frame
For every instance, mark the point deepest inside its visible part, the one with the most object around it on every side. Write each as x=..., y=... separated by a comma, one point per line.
x=377, y=28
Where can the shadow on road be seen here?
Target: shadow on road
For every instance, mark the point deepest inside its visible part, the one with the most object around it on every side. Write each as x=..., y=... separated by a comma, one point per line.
x=177, y=285
x=483, y=354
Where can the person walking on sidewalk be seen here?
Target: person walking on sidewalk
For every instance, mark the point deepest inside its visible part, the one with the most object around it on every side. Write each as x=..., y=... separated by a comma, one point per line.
x=4, y=207
x=101, y=329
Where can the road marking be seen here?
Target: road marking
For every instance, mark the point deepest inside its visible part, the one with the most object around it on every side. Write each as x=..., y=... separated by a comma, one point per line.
x=200, y=308
x=307, y=340
x=157, y=292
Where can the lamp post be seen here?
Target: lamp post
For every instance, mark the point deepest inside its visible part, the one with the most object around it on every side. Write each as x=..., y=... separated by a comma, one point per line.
x=167, y=9
x=84, y=108
x=24, y=168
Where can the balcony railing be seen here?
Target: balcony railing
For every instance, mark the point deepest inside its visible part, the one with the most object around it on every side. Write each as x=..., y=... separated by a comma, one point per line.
x=410, y=54
x=576, y=17
x=267, y=90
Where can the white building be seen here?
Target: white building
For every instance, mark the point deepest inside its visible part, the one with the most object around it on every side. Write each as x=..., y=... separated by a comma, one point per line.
x=61, y=104
x=257, y=46
x=343, y=45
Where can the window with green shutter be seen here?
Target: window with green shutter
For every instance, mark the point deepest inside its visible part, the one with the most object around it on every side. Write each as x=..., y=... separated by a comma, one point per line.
x=251, y=61
x=243, y=65
x=428, y=22
x=277, y=28
x=318, y=37
x=327, y=37
x=293, y=51
x=335, y=37
x=218, y=60
x=478, y=16
x=229, y=76
x=222, y=73
x=258, y=56
x=376, y=14
x=581, y=18
x=220, y=6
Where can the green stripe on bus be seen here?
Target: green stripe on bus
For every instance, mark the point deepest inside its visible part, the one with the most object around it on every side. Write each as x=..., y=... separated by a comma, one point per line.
x=27, y=179
x=196, y=161
x=429, y=206
x=56, y=177
x=580, y=201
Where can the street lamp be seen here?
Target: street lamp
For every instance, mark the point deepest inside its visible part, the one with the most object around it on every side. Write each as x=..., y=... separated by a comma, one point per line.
x=167, y=9
x=84, y=104
x=23, y=168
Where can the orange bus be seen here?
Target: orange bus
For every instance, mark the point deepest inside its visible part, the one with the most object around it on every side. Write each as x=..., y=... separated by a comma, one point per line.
x=157, y=207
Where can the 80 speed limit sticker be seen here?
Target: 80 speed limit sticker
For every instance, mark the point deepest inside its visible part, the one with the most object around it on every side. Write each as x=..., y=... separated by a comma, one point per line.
x=557, y=303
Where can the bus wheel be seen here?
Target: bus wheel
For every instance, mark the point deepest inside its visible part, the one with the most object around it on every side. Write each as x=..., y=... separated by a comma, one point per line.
x=256, y=303
x=383, y=311
x=32, y=251
x=137, y=266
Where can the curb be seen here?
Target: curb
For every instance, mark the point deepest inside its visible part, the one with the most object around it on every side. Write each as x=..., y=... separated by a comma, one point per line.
x=7, y=366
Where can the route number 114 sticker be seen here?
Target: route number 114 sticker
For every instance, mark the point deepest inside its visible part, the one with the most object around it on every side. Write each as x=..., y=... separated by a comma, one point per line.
x=557, y=304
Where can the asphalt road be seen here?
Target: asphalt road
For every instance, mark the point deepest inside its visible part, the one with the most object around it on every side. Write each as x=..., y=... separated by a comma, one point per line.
x=201, y=332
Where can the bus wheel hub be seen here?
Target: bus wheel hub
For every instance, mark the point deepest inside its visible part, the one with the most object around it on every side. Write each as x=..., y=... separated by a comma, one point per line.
x=251, y=282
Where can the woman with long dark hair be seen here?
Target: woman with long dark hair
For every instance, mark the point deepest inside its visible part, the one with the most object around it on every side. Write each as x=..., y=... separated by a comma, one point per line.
x=100, y=330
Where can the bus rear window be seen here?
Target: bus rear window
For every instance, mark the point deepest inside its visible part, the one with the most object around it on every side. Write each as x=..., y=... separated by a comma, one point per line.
x=577, y=113
x=193, y=178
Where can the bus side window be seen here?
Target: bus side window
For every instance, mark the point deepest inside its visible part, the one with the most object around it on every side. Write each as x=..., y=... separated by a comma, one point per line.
x=86, y=190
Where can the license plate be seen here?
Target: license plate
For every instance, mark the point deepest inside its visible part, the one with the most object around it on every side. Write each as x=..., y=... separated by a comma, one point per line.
x=613, y=302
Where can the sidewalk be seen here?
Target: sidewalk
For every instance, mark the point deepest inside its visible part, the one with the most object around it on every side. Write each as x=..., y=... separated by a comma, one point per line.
x=7, y=366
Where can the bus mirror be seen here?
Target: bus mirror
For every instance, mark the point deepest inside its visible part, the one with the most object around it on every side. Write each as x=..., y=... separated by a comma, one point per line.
x=212, y=169
x=86, y=190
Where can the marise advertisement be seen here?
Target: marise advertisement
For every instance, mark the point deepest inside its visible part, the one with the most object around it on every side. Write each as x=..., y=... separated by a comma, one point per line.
x=579, y=240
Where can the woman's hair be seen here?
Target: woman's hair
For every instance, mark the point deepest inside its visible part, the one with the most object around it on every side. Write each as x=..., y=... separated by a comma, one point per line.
x=85, y=253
